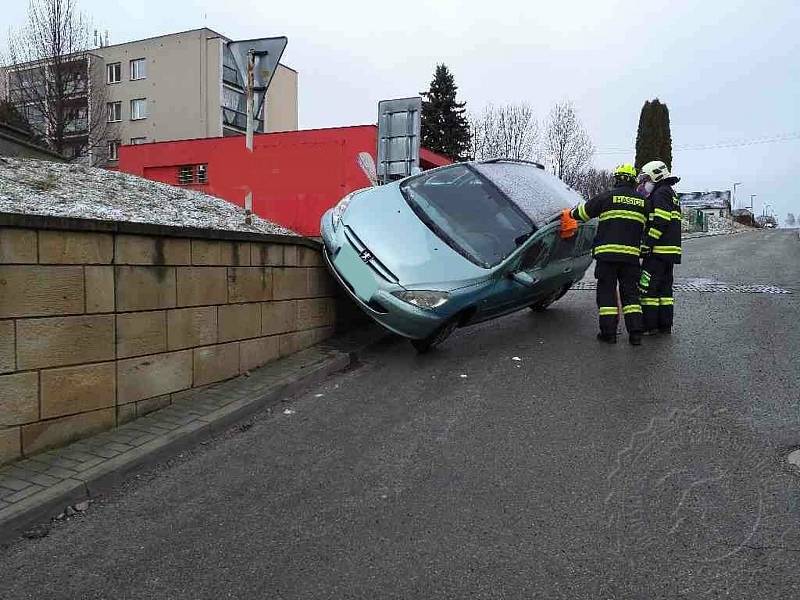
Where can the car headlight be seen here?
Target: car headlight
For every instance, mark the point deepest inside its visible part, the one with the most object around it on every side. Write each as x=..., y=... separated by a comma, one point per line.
x=338, y=210
x=423, y=298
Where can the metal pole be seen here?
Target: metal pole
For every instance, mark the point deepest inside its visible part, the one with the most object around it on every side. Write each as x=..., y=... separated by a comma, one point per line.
x=251, y=59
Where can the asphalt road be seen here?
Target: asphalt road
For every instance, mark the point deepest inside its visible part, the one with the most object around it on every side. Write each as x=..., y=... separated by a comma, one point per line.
x=578, y=471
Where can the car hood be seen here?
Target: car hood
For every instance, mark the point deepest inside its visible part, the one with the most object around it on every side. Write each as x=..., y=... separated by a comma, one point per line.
x=382, y=220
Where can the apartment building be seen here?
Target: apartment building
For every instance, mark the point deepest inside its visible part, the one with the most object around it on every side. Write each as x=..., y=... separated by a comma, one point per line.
x=31, y=90
x=184, y=85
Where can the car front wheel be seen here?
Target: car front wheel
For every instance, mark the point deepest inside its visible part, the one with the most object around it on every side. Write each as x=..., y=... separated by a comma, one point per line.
x=542, y=305
x=437, y=337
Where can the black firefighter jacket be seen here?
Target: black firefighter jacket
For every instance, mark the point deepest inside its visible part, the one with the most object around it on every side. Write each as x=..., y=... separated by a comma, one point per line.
x=622, y=212
x=663, y=236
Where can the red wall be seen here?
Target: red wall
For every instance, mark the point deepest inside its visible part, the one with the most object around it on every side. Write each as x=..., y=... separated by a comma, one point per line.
x=294, y=176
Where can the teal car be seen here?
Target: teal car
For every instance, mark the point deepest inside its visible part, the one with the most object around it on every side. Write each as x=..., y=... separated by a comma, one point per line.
x=454, y=246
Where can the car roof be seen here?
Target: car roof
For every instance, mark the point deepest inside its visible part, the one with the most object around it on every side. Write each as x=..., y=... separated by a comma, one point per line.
x=538, y=193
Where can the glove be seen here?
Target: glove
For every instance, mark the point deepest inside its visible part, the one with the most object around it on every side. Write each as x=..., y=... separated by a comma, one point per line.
x=644, y=281
x=569, y=226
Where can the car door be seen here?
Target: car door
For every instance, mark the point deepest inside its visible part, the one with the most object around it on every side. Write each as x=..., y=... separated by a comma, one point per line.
x=508, y=295
x=582, y=254
x=561, y=264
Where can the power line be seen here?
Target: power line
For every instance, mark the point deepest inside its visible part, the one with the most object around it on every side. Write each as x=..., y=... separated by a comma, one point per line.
x=788, y=137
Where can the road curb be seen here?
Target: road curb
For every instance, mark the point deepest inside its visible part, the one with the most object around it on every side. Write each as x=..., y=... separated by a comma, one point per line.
x=100, y=478
x=694, y=236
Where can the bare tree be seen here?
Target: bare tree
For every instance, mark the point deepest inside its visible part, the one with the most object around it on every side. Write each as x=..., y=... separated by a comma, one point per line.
x=9, y=115
x=506, y=131
x=566, y=144
x=593, y=182
x=790, y=220
x=54, y=81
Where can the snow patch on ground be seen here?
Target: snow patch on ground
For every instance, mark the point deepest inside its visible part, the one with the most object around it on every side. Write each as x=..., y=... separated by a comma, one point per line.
x=38, y=187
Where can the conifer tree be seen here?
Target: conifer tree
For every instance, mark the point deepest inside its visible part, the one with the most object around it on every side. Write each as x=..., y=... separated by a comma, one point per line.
x=654, y=140
x=444, y=123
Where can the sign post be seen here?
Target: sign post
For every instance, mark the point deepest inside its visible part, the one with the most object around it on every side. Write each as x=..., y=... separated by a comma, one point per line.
x=399, y=130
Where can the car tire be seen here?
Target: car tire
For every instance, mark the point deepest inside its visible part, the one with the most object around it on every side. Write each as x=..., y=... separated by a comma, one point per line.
x=437, y=337
x=542, y=305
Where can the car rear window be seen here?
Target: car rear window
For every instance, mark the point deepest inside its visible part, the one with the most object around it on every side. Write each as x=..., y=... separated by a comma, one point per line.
x=540, y=194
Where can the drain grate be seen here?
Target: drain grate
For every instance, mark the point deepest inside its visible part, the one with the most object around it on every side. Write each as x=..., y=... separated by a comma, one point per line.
x=708, y=286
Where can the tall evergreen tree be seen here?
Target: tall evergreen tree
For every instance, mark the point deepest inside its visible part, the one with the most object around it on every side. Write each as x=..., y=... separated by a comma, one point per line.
x=444, y=122
x=654, y=140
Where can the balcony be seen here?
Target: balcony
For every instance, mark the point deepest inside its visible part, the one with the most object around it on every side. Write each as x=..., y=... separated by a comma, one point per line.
x=238, y=120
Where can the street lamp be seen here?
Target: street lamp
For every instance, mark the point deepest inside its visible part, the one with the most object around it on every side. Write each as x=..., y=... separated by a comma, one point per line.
x=733, y=198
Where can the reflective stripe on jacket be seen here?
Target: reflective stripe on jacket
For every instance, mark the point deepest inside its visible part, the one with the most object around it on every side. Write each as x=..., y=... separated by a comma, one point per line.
x=622, y=213
x=663, y=235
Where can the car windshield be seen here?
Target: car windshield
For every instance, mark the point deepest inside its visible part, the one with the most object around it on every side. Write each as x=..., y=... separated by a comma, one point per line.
x=540, y=194
x=469, y=213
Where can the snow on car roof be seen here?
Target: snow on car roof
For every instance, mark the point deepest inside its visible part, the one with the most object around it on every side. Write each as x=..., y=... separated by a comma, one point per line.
x=39, y=187
x=540, y=194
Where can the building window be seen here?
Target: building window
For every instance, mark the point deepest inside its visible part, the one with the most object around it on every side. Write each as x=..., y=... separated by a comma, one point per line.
x=113, y=150
x=185, y=174
x=190, y=174
x=138, y=70
x=138, y=140
x=114, y=73
x=114, y=111
x=138, y=109
x=230, y=70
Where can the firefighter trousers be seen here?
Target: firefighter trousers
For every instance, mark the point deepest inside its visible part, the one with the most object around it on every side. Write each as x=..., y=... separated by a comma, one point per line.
x=609, y=274
x=656, y=287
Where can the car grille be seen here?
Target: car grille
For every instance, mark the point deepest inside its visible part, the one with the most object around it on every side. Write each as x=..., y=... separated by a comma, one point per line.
x=374, y=263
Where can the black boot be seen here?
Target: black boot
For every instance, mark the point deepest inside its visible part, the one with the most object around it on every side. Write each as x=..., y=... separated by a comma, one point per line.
x=635, y=339
x=608, y=338
x=665, y=330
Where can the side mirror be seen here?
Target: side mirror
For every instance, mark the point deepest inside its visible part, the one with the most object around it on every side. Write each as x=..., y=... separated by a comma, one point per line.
x=523, y=278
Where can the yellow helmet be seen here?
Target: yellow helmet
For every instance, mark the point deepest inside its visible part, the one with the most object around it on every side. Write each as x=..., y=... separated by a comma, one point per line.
x=625, y=171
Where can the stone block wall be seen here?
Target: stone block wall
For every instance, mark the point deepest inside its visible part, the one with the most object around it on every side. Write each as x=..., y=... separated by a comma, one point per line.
x=99, y=327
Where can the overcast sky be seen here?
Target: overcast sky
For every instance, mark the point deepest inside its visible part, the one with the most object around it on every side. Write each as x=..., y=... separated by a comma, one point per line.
x=728, y=71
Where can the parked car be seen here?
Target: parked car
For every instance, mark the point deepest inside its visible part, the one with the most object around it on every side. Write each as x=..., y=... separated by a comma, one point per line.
x=455, y=246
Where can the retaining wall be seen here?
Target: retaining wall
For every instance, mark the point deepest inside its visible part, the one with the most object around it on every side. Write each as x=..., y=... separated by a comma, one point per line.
x=101, y=322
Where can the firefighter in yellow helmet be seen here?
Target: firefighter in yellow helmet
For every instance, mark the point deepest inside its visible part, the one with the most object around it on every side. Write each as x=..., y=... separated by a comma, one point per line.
x=622, y=212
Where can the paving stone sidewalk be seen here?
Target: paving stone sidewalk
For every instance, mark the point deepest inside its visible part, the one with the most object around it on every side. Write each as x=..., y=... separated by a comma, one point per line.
x=43, y=485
